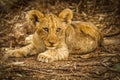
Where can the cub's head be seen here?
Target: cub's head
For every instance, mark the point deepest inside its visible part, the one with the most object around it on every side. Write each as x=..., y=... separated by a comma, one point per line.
x=49, y=27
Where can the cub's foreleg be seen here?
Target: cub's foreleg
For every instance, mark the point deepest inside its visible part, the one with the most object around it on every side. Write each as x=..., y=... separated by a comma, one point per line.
x=21, y=52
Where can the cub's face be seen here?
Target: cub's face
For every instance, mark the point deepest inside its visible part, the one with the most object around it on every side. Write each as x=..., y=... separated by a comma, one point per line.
x=49, y=27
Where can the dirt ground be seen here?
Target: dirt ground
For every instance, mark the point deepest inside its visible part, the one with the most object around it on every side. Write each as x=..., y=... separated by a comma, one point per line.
x=102, y=64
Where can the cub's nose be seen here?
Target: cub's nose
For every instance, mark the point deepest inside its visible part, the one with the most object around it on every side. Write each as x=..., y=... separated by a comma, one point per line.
x=51, y=43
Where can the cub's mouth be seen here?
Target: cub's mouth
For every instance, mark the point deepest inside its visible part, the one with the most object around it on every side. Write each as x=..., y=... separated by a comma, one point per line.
x=51, y=45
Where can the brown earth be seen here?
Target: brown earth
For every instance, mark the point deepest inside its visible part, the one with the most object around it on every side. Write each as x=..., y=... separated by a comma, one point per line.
x=102, y=64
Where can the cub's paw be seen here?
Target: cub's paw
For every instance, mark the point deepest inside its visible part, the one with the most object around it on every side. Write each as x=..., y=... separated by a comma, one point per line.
x=45, y=58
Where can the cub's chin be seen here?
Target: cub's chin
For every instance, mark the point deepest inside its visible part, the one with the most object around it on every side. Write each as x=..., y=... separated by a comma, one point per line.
x=50, y=48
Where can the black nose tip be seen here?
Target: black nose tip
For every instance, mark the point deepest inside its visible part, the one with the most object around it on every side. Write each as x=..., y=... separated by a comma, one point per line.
x=51, y=43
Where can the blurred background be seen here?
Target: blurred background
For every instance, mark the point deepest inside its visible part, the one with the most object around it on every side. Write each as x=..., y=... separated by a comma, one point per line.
x=105, y=14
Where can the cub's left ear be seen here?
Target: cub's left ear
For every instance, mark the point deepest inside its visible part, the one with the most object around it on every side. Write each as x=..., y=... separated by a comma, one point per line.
x=66, y=15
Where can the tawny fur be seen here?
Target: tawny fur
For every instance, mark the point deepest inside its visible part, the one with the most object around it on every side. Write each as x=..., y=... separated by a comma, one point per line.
x=57, y=36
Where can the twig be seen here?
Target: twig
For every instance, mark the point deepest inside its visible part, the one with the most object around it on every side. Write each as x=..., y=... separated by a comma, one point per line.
x=77, y=7
x=94, y=6
x=89, y=63
x=117, y=32
x=112, y=69
x=91, y=55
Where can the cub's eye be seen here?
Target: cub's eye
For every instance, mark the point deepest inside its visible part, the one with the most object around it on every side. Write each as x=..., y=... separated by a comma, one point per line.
x=58, y=29
x=46, y=29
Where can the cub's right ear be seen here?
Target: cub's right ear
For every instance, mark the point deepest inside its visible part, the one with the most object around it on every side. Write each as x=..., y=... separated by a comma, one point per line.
x=66, y=15
x=34, y=16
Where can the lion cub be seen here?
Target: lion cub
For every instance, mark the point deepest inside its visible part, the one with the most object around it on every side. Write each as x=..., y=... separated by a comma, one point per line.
x=57, y=36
